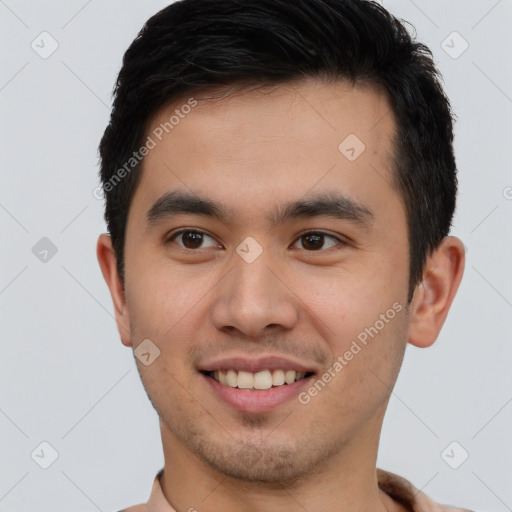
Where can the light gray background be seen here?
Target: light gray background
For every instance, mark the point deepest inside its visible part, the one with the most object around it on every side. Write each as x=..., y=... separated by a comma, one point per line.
x=65, y=376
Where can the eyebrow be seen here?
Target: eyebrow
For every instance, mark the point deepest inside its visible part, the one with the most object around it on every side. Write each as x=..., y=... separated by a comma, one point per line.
x=327, y=204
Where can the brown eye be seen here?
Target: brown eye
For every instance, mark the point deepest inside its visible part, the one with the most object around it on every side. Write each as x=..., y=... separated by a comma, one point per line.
x=314, y=241
x=191, y=239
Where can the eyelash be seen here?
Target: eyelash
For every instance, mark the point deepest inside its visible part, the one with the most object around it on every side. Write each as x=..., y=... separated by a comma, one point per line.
x=306, y=233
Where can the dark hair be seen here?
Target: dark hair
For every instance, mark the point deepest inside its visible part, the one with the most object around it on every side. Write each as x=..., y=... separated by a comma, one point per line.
x=193, y=45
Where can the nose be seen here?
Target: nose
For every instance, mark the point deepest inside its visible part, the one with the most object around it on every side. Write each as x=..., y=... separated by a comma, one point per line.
x=254, y=299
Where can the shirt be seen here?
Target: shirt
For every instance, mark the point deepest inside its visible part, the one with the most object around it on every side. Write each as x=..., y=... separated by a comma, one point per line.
x=395, y=486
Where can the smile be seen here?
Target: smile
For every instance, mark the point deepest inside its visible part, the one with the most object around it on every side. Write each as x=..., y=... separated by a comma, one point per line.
x=261, y=380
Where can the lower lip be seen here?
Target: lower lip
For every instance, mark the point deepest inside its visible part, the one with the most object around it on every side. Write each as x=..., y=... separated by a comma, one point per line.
x=256, y=401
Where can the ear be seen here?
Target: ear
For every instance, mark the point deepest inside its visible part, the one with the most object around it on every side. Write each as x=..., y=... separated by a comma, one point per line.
x=434, y=295
x=108, y=264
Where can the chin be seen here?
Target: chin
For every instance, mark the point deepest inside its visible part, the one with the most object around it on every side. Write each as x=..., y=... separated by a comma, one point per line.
x=254, y=463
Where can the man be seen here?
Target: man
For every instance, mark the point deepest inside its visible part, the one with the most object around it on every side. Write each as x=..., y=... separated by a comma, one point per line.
x=280, y=184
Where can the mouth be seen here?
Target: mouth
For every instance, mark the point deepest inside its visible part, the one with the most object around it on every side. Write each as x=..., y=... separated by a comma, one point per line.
x=256, y=381
x=256, y=384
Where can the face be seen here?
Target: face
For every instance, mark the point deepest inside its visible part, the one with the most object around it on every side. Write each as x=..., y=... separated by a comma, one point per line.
x=265, y=241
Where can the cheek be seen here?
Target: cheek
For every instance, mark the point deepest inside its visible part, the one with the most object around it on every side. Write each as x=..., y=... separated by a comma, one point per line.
x=346, y=302
x=371, y=359
x=164, y=301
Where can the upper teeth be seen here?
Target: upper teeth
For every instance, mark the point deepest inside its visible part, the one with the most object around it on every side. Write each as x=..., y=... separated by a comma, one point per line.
x=259, y=380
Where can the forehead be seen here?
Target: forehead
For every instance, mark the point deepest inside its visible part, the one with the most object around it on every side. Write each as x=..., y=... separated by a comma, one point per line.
x=252, y=149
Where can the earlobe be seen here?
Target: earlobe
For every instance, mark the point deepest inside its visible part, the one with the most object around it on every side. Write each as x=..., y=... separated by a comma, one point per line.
x=433, y=297
x=108, y=264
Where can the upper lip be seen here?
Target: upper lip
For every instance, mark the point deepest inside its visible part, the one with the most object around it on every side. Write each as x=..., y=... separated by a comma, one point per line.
x=255, y=364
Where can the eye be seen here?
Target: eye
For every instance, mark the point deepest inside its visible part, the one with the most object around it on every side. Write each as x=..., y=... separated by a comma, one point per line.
x=192, y=239
x=315, y=240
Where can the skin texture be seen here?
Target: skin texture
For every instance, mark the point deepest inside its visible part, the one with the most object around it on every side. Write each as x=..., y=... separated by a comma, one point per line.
x=253, y=151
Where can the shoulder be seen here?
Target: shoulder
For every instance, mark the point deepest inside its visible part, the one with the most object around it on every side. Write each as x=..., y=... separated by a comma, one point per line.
x=156, y=500
x=408, y=497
